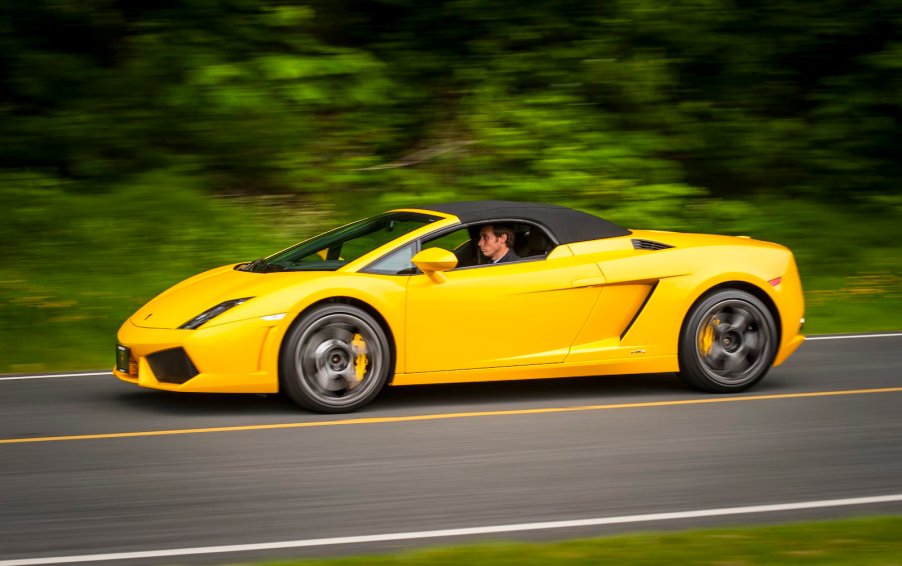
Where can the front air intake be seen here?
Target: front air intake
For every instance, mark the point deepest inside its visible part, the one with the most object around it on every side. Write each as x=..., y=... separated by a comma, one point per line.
x=649, y=245
x=172, y=366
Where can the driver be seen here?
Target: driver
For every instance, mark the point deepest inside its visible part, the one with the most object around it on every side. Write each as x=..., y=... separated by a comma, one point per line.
x=496, y=241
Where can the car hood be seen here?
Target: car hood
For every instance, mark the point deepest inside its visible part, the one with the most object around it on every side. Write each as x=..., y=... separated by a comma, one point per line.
x=182, y=302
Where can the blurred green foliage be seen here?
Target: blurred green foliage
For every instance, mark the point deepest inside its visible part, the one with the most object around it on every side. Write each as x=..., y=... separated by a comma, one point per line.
x=143, y=141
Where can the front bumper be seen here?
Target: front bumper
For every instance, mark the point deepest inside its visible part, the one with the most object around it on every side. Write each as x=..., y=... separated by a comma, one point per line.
x=238, y=357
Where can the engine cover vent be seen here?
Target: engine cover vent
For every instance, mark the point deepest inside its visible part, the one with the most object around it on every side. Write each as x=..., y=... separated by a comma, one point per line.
x=649, y=245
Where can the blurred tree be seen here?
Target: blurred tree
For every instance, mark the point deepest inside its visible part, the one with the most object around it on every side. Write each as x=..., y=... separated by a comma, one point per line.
x=565, y=100
x=239, y=90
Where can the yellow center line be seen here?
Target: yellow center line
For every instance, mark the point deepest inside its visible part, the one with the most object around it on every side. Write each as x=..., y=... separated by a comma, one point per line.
x=442, y=416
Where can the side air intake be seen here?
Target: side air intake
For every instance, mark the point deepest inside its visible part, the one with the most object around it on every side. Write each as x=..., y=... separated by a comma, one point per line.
x=172, y=366
x=649, y=245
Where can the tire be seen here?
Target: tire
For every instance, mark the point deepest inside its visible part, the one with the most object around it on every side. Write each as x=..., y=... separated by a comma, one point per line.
x=335, y=359
x=728, y=342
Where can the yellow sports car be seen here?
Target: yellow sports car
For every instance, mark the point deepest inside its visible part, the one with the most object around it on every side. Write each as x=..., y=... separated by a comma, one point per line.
x=471, y=291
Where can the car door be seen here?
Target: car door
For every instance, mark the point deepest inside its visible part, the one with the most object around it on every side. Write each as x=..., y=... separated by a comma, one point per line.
x=500, y=315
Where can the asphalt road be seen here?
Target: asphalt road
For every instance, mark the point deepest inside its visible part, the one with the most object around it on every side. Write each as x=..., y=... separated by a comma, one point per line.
x=624, y=450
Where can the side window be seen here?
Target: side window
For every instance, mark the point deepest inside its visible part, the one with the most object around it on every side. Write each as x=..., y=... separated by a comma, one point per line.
x=460, y=242
x=398, y=262
x=395, y=263
x=450, y=241
x=531, y=242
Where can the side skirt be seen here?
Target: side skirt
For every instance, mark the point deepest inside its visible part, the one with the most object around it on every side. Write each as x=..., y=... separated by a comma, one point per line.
x=652, y=364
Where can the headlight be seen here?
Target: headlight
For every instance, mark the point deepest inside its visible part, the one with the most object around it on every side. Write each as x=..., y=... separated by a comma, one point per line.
x=212, y=313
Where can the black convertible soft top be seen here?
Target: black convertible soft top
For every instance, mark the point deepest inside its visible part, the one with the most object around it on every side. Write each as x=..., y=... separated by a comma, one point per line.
x=565, y=224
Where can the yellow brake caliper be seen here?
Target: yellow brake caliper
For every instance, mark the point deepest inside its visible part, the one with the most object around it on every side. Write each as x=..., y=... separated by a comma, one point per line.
x=706, y=339
x=359, y=345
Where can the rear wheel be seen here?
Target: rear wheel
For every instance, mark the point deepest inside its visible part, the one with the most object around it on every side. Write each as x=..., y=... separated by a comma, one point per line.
x=728, y=342
x=336, y=358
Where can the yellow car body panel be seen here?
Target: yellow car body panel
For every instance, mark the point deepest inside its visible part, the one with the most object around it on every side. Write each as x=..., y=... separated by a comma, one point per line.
x=596, y=307
x=475, y=309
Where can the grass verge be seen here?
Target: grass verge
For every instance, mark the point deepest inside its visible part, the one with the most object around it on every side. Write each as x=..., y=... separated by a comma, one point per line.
x=871, y=541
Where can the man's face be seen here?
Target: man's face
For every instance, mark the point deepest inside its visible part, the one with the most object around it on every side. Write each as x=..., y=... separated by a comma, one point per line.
x=491, y=245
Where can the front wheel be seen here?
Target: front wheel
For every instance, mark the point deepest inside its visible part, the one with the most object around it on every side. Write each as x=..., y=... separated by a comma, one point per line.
x=336, y=358
x=728, y=342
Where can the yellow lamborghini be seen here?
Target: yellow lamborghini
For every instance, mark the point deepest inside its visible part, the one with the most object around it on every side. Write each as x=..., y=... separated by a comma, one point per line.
x=413, y=296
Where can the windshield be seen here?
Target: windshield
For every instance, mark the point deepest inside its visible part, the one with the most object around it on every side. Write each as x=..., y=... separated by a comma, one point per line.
x=332, y=250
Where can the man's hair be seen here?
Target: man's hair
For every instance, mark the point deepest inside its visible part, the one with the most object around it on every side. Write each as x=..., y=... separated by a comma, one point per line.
x=499, y=229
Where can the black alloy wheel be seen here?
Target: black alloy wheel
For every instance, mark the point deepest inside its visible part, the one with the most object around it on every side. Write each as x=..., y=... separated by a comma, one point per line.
x=728, y=342
x=335, y=359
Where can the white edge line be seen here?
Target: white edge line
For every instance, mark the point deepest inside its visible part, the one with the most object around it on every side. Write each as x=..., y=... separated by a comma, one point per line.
x=832, y=337
x=455, y=532
x=109, y=373
x=51, y=376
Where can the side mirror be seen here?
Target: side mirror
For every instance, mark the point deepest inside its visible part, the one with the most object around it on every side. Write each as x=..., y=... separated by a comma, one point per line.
x=434, y=261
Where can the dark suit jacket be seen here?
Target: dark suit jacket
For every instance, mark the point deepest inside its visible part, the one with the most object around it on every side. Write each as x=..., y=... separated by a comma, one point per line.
x=509, y=256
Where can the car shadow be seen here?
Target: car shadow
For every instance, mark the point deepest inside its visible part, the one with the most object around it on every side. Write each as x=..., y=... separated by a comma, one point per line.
x=206, y=404
x=577, y=389
x=441, y=398
x=561, y=391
